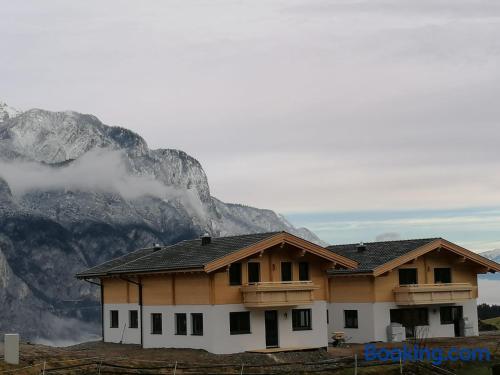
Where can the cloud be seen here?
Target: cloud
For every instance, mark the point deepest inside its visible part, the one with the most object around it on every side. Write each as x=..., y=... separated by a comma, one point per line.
x=99, y=170
x=291, y=105
x=488, y=291
x=389, y=236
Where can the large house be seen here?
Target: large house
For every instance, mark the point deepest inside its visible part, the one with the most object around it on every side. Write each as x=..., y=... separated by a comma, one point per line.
x=270, y=290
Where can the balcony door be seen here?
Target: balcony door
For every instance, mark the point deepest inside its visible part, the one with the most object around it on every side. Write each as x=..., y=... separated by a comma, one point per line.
x=271, y=320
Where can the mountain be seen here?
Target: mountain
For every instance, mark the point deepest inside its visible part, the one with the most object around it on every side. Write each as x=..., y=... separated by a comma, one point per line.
x=493, y=255
x=74, y=193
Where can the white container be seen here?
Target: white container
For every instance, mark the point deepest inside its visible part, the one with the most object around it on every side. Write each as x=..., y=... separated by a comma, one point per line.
x=11, y=348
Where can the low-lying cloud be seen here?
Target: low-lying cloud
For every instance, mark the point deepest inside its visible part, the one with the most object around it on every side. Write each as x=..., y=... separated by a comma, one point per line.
x=99, y=170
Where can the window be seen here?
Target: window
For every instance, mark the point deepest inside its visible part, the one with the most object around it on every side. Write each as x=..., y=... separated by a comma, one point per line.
x=410, y=317
x=442, y=275
x=301, y=319
x=303, y=271
x=408, y=276
x=156, y=324
x=253, y=272
x=327, y=317
x=235, y=274
x=197, y=324
x=113, y=319
x=239, y=322
x=446, y=315
x=351, y=318
x=180, y=324
x=450, y=314
x=286, y=271
x=133, y=319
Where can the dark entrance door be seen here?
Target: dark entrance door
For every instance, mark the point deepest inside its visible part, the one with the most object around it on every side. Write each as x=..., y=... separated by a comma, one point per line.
x=457, y=314
x=271, y=317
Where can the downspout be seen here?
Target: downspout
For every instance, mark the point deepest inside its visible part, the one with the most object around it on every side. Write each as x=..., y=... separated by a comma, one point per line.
x=102, y=305
x=139, y=284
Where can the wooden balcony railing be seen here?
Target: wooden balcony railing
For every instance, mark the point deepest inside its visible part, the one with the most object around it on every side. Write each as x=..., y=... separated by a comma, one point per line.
x=425, y=294
x=276, y=294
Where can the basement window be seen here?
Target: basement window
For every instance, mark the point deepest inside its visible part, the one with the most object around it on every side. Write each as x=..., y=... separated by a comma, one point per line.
x=351, y=318
x=180, y=324
x=239, y=322
x=301, y=319
x=235, y=274
x=156, y=324
x=197, y=324
x=133, y=319
x=113, y=319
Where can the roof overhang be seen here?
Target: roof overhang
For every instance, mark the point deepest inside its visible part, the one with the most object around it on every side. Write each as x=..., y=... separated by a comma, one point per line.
x=277, y=239
x=489, y=265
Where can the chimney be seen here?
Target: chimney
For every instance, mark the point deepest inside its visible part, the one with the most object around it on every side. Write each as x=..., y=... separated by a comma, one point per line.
x=205, y=239
x=361, y=247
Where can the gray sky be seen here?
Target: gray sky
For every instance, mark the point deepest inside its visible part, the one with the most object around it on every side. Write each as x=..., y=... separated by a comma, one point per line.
x=298, y=106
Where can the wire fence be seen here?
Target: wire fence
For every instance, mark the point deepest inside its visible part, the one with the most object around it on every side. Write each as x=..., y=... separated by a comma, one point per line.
x=115, y=365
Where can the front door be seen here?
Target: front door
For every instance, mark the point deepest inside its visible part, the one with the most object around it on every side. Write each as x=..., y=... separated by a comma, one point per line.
x=457, y=314
x=271, y=317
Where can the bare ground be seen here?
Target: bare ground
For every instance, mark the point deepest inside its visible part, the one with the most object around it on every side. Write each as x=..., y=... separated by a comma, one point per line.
x=134, y=356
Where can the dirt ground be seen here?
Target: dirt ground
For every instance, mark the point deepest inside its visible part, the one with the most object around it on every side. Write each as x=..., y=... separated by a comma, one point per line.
x=133, y=355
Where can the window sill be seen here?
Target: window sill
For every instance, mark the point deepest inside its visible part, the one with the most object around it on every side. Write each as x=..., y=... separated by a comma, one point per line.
x=351, y=327
x=302, y=329
x=196, y=334
x=156, y=333
x=241, y=333
x=181, y=334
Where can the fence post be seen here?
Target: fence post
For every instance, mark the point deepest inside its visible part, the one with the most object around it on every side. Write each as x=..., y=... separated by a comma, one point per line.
x=241, y=372
x=400, y=363
x=175, y=367
x=43, y=369
x=355, y=364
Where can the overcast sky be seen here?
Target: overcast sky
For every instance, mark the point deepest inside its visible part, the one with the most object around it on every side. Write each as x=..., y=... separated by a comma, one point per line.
x=300, y=106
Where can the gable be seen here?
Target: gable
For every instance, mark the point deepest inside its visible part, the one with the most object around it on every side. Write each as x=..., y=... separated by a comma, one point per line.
x=281, y=239
x=486, y=264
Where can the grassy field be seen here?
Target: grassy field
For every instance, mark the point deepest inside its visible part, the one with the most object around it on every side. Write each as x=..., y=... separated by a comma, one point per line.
x=493, y=321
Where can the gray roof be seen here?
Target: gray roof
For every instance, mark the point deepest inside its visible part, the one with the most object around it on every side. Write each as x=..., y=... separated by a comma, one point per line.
x=183, y=255
x=110, y=264
x=376, y=253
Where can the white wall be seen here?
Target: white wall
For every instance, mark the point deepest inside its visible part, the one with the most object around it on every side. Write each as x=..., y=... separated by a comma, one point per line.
x=216, y=333
x=366, y=322
x=130, y=335
x=374, y=318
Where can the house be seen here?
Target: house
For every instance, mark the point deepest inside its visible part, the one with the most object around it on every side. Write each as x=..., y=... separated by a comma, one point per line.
x=426, y=286
x=268, y=290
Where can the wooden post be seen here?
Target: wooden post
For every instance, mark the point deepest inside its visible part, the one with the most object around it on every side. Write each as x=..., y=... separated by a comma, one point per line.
x=355, y=364
x=175, y=367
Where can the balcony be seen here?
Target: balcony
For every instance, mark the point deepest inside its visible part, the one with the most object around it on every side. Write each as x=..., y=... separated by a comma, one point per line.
x=278, y=294
x=428, y=294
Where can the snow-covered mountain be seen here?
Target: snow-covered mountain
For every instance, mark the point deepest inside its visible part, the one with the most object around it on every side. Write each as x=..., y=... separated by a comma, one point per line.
x=75, y=192
x=493, y=255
